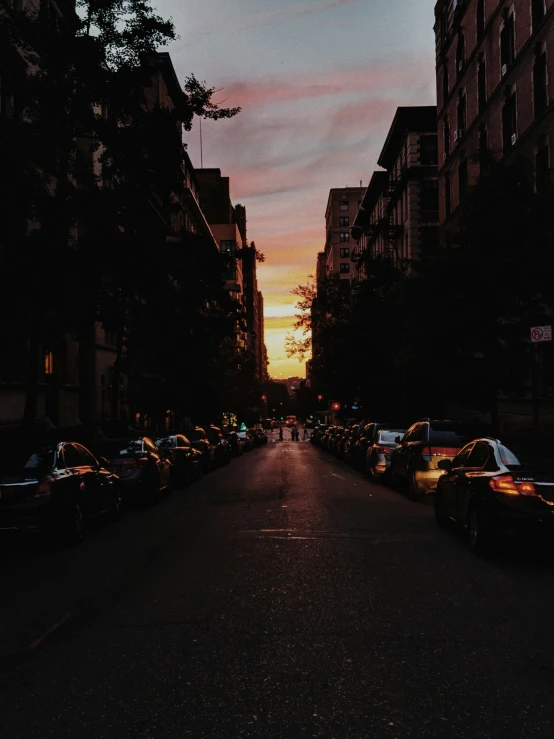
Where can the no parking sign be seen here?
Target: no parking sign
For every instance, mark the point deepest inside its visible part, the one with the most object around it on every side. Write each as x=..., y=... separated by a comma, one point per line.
x=541, y=333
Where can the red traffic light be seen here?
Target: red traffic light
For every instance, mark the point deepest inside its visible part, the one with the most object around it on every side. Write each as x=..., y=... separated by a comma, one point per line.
x=336, y=406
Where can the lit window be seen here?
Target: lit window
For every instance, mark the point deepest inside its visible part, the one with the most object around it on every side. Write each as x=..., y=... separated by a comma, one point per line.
x=48, y=363
x=344, y=205
x=344, y=236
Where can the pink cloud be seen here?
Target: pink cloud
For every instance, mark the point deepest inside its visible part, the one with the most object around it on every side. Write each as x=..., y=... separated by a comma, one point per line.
x=378, y=76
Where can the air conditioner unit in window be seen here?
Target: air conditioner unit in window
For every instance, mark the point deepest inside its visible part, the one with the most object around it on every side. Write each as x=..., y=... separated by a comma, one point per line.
x=460, y=65
x=504, y=70
x=458, y=133
x=455, y=4
x=513, y=138
x=444, y=157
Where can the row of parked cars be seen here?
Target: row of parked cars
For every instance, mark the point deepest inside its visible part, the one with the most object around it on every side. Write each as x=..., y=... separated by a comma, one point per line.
x=478, y=483
x=57, y=486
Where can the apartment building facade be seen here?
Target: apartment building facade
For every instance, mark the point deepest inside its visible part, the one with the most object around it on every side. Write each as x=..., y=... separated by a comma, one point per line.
x=342, y=208
x=398, y=215
x=495, y=87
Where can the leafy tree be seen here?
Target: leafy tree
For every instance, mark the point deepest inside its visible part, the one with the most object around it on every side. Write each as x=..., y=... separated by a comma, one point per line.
x=52, y=193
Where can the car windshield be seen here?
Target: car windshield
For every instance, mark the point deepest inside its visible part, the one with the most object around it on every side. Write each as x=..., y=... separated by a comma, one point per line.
x=456, y=434
x=390, y=436
x=169, y=443
x=114, y=448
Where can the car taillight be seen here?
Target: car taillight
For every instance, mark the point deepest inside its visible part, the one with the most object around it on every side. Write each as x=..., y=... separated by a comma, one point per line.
x=45, y=488
x=505, y=484
x=383, y=450
x=142, y=462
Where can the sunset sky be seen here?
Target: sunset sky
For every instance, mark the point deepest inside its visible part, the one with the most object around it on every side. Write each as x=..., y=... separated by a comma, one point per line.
x=318, y=82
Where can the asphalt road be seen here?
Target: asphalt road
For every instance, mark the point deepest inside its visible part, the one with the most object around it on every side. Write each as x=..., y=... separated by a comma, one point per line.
x=282, y=596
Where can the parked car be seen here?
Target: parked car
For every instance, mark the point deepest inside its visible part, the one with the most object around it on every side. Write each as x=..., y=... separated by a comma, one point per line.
x=246, y=440
x=365, y=439
x=343, y=444
x=379, y=454
x=489, y=492
x=235, y=443
x=222, y=451
x=186, y=461
x=199, y=440
x=262, y=436
x=326, y=438
x=144, y=472
x=335, y=440
x=317, y=434
x=56, y=489
x=415, y=461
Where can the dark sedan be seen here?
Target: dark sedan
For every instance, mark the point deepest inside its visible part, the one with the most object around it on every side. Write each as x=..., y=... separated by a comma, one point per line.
x=490, y=493
x=199, y=440
x=144, y=473
x=186, y=460
x=55, y=489
x=379, y=454
x=235, y=443
x=222, y=449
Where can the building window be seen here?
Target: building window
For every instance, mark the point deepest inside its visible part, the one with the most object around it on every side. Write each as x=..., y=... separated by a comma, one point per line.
x=429, y=201
x=538, y=11
x=507, y=45
x=344, y=236
x=446, y=131
x=540, y=85
x=483, y=147
x=344, y=252
x=481, y=84
x=445, y=82
x=462, y=114
x=48, y=363
x=344, y=205
x=542, y=169
x=480, y=18
x=228, y=247
x=460, y=55
x=447, y=196
x=344, y=221
x=428, y=150
x=345, y=268
x=509, y=122
x=462, y=177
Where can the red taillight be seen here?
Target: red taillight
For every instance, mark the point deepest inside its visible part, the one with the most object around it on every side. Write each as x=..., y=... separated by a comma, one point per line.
x=142, y=462
x=383, y=450
x=45, y=488
x=505, y=484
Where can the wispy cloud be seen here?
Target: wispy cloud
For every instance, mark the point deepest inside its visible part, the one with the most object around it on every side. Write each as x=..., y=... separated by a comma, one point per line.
x=283, y=14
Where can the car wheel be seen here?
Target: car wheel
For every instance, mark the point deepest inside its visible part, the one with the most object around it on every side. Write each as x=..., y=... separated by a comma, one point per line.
x=440, y=516
x=415, y=493
x=74, y=531
x=480, y=534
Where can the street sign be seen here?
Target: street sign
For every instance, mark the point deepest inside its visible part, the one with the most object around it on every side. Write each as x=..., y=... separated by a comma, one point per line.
x=541, y=333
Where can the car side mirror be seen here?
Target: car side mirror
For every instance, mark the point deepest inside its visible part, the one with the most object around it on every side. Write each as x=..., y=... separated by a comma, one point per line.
x=445, y=464
x=398, y=440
